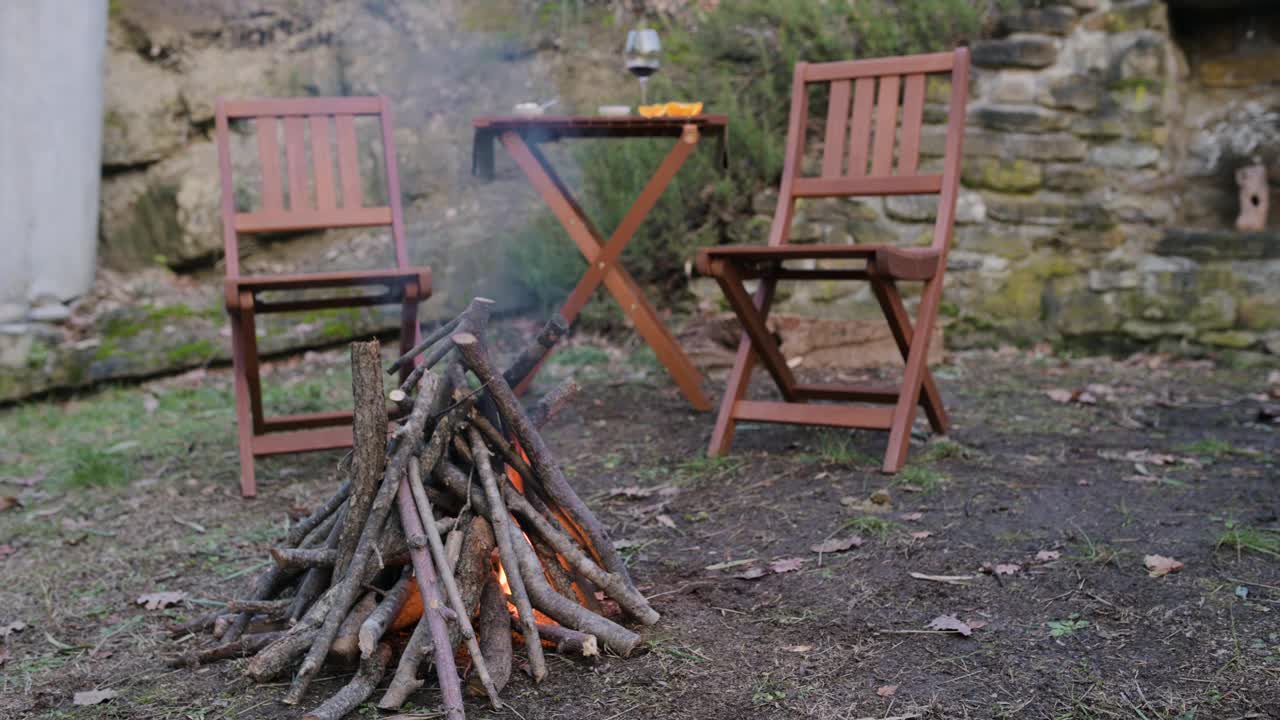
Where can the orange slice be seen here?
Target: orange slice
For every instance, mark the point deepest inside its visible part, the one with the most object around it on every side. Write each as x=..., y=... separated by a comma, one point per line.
x=652, y=111
x=683, y=109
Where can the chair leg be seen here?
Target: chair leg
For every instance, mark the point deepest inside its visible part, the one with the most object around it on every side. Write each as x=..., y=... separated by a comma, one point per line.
x=913, y=375
x=244, y=415
x=740, y=377
x=886, y=292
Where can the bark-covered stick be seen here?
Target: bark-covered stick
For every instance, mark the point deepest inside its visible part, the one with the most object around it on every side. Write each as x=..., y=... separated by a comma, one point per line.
x=316, y=580
x=563, y=639
x=550, y=405
x=504, y=530
x=495, y=638
x=436, y=336
x=424, y=571
x=266, y=607
x=303, y=558
x=427, y=515
x=302, y=527
x=563, y=610
x=244, y=646
x=532, y=356
x=350, y=584
x=375, y=625
x=473, y=563
x=474, y=320
x=358, y=690
x=369, y=452
x=540, y=457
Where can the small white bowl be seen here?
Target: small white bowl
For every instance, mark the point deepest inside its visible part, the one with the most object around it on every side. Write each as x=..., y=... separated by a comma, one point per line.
x=528, y=108
x=614, y=110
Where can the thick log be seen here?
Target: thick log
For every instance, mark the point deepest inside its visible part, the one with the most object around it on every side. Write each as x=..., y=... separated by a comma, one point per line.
x=425, y=573
x=346, y=646
x=375, y=625
x=494, y=625
x=540, y=457
x=358, y=690
x=508, y=536
x=550, y=405
x=369, y=453
x=462, y=616
x=243, y=646
x=564, y=611
x=303, y=558
x=351, y=583
x=531, y=357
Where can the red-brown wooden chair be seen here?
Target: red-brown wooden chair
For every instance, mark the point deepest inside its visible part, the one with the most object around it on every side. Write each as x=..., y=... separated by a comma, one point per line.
x=317, y=124
x=879, y=90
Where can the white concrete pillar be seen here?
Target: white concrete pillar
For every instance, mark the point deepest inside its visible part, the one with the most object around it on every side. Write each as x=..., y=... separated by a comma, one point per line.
x=52, y=57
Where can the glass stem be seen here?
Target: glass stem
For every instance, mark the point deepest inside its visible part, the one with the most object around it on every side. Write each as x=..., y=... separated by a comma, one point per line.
x=644, y=91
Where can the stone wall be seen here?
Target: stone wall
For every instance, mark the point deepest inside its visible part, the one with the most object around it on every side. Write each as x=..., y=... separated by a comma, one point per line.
x=1098, y=190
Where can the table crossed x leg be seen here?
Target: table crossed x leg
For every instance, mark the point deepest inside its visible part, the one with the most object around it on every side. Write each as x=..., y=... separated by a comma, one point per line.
x=602, y=257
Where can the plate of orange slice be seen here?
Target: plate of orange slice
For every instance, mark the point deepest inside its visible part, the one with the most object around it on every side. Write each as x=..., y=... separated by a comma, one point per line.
x=671, y=109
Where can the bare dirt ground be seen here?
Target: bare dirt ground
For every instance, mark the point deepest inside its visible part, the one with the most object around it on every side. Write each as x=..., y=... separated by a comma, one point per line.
x=1060, y=501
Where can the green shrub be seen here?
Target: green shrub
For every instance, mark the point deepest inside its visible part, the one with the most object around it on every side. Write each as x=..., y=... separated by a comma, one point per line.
x=738, y=59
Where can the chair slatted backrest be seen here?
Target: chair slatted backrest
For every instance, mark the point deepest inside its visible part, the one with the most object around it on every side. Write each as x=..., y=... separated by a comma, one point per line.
x=875, y=107
x=314, y=201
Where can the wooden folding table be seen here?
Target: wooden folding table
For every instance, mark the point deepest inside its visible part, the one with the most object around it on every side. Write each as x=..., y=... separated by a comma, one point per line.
x=521, y=135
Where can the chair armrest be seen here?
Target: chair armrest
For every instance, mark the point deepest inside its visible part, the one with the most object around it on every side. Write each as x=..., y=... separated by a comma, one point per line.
x=233, y=287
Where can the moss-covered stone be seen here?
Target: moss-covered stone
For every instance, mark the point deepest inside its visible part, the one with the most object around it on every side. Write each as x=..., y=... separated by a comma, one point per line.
x=1004, y=174
x=1234, y=339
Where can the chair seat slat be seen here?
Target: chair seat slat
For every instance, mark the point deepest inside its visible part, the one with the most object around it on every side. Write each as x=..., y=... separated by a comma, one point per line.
x=837, y=119
x=269, y=161
x=912, y=118
x=886, y=125
x=860, y=131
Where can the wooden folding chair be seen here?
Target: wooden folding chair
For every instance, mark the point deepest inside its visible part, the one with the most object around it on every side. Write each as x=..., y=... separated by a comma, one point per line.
x=311, y=126
x=880, y=91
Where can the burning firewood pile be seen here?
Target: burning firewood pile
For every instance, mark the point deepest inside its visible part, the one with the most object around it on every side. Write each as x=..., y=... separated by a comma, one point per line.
x=454, y=535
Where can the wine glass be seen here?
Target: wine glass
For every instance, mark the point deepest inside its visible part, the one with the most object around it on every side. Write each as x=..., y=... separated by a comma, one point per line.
x=641, y=55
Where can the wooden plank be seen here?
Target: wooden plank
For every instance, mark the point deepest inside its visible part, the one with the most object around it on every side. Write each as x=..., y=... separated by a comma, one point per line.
x=302, y=441
x=853, y=69
x=860, y=132
x=837, y=121
x=269, y=161
x=278, y=423
x=282, y=221
x=322, y=161
x=912, y=118
x=348, y=162
x=295, y=154
x=862, y=392
x=882, y=185
x=286, y=107
x=812, y=414
x=886, y=126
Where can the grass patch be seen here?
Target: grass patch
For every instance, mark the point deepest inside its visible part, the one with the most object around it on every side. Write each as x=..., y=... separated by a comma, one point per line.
x=1213, y=448
x=835, y=447
x=1067, y=627
x=943, y=449
x=1264, y=541
x=927, y=479
x=1097, y=553
x=870, y=526
x=84, y=466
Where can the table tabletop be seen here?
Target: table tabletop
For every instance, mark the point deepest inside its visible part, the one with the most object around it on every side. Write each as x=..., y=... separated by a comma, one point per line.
x=550, y=128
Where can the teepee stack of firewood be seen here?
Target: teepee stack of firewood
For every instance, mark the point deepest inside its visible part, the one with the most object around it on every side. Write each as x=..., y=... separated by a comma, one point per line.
x=454, y=534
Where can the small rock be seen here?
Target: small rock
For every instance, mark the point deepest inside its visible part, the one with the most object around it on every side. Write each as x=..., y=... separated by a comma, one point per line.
x=1054, y=20
x=49, y=312
x=1025, y=51
x=12, y=313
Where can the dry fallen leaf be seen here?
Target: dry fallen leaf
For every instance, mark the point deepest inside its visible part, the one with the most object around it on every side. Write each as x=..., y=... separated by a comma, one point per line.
x=975, y=624
x=1059, y=395
x=754, y=573
x=913, y=517
x=797, y=648
x=786, y=564
x=949, y=579
x=835, y=545
x=161, y=600
x=881, y=497
x=921, y=534
x=9, y=502
x=666, y=521
x=4, y=654
x=16, y=626
x=93, y=697
x=727, y=564
x=887, y=691
x=1007, y=568
x=150, y=403
x=6, y=550
x=1047, y=555
x=1159, y=565
x=950, y=623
